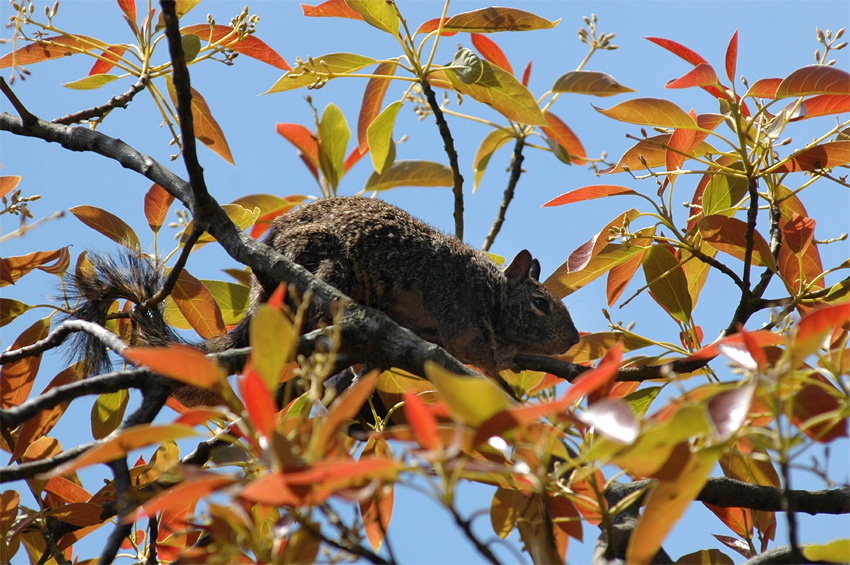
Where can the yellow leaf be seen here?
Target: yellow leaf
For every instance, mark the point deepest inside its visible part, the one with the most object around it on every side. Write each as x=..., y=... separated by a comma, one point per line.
x=470, y=399
x=837, y=551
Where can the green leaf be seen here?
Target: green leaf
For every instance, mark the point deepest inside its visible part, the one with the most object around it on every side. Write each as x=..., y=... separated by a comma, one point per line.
x=333, y=134
x=382, y=15
x=472, y=400
x=467, y=66
x=650, y=112
x=723, y=193
x=668, y=282
x=489, y=20
x=589, y=82
x=411, y=173
x=240, y=216
x=380, y=136
x=191, y=46
x=272, y=342
x=492, y=142
x=108, y=412
x=319, y=69
x=501, y=91
x=11, y=309
x=90, y=82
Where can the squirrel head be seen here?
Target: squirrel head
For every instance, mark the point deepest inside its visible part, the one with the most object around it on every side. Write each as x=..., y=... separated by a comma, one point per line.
x=532, y=317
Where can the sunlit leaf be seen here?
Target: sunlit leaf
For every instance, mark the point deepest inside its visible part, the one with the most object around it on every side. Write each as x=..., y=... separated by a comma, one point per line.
x=665, y=504
x=731, y=58
x=500, y=90
x=380, y=136
x=598, y=377
x=11, y=309
x=8, y=183
x=302, y=138
x=50, y=48
x=108, y=412
x=373, y=99
x=431, y=26
x=53, y=262
x=123, y=442
x=651, y=153
x=272, y=344
x=503, y=512
x=764, y=88
x=191, y=489
x=620, y=275
x=248, y=45
x=239, y=215
x=813, y=328
x=421, y=421
x=814, y=403
x=333, y=135
x=667, y=281
x=814, y=79
x=382, y=15
x=613, y=419
x=179, y=362
x=589, y=82
x=90, y=82
x=489, y=20
x=490, y=51
x=109, y=225
x=730, y=236
x=650, y=112
x=333, y=64
x=589, y=193
x=410, y=173
x=157, y=202
x=207, y=130
x=685, y=53
x=825, y=105
x=377, y=511
x=701, y=75
x=823, y=156
x=491, y=143
x=561, y=133
x=470, y=399
x=722, y=193
x=344, y=409
x=837, y=551
x=197, y=305
x=258, y=401
x=330, y=9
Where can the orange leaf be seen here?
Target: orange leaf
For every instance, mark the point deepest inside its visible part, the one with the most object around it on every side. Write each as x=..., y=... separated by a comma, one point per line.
x=373, y=99
x=179, y=362
x=110, y=57
x=685, y=53
x=378, y=509
x=249, y=45
x=815, y=399
x=66, y=491
x=345, y=408
x=8, y=184
x=207, y=130
x=421, y=421
x=129, y=9
x=303, y=139
x=739, y=520
x=680, y=143
x=813, y=328
x=730, y=236
x=432, y=25
x=330, y=9
x=196, y=303
x=16, y=378
x=109, y=225
x=79, y=514
x=823, y=156
x=490, y=51
x=732, y=56
x=561, y=133
x=258, y=401
x=589, y=193
x=814, y=79
x=157, y=202
x=565, y=516
x=825, y=105
x=620, y=275
x=13, y=268
x=764, y=88
x=122, y=443
x=701, y=75
x=59, y=46
x=596, y=378
x=186, y=493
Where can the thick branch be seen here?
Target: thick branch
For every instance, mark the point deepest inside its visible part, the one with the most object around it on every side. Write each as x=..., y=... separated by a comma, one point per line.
x=57, y=337
x=571, y=371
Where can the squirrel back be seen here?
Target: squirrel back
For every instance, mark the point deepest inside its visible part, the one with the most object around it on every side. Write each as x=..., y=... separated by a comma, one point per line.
x=443, y=290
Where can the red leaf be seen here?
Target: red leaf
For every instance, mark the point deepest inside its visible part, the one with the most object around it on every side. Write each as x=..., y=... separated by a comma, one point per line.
x=729, y=235
x=760, y=338
x=179, y=362
x=432, y=25
x=680, y=143
x=421, y=421
x=816, y=325
x=356, y=154
x=373, y=99
x=258, y=402
x=701, y=75
x=129, y=9
x=526, y=74
x=589, y=193
x=559, y=131
x=330, y=9
x=110, y=57
x=814, y=79
x=732, y=57
x=813, y=400
x=249, y=45
x=825, y=104
x=62, y=46
x=685, y=53
x=301, y=138
x=490, y=51
x=18, y=376
x=596, y=378
x=157, y=202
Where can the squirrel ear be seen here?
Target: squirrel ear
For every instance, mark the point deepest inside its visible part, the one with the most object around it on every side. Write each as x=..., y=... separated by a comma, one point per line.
x=534, y=271
x=519, y=267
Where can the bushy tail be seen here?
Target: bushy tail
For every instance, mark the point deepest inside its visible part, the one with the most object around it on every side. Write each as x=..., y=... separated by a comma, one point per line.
x=107, y=279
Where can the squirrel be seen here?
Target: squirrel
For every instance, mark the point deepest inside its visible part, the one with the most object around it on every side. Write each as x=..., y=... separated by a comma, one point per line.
x=443, y=290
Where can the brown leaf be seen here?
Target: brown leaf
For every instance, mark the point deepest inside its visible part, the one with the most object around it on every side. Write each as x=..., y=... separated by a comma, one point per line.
x=109, y=225
x=730, y=236
x=17, y=377
x=207, y=130
x=157, y=202
x=198, y=306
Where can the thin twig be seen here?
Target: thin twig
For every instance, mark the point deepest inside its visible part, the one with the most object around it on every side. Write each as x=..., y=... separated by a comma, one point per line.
x=174, y=274
x=516, y=171
x=22, y=111
x=449, y=144
x=100, y=112
x=57, y=337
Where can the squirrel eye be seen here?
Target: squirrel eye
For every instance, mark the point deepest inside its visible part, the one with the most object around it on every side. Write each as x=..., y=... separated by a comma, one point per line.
x=541, y=304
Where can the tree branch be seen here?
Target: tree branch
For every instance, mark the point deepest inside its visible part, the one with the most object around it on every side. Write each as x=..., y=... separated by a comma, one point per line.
x=516, y=171
x=100, y=112
x=571, y=371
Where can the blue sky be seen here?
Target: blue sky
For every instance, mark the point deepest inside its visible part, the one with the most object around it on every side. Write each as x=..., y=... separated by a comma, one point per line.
x=775, y=38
